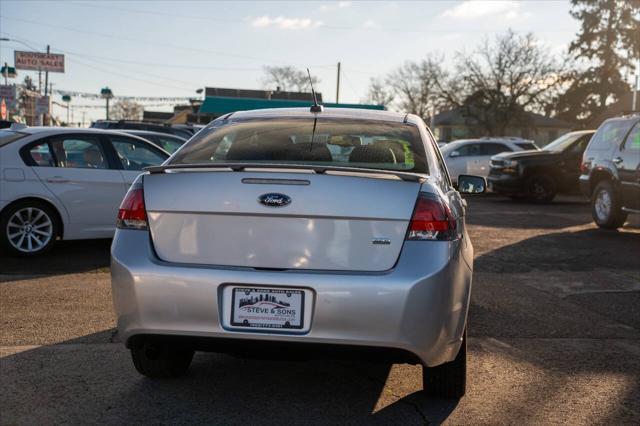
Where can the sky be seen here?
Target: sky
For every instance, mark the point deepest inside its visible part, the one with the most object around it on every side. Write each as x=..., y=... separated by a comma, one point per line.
x=172, y=48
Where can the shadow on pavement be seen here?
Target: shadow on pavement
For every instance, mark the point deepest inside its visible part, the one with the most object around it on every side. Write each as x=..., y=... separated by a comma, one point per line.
x=66, y=257
x=75, y=381
x=584, y=250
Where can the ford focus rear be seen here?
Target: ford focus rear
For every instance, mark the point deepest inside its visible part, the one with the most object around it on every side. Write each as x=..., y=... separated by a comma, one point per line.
x=294, y=233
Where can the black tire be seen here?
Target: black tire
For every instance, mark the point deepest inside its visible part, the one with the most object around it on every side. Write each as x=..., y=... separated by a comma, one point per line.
x=160, y=360
x=540, y=188
x=611, y=217
x=448, y=380
x=8, y=223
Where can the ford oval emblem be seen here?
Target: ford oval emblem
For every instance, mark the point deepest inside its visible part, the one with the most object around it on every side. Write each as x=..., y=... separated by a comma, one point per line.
x=274, y=199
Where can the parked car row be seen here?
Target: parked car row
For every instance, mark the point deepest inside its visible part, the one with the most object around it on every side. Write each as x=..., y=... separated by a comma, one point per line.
x=184, y=131
x=604, y=165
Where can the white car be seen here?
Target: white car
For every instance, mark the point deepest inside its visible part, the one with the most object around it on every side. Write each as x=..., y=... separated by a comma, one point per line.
x=65, y=183
x=473, y=156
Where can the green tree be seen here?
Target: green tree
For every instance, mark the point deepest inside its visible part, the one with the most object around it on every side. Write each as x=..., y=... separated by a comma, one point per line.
x=605, y=47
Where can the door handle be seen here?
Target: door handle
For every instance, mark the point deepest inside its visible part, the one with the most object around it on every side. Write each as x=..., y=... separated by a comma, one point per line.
x=617, y=160
x=57, y=179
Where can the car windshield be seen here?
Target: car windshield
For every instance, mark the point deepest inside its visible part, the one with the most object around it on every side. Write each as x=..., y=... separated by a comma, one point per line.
x=8, y=136
x=527, y=145
x=330, y=142
x=562, y=143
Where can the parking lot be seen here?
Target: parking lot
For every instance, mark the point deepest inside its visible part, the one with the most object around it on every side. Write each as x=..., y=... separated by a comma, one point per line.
x=554, y=333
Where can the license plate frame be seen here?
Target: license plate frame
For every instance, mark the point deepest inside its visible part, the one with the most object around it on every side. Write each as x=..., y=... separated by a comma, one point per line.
x=275, y=300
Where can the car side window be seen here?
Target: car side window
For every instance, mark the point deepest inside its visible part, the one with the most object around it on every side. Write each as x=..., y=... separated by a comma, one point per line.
x=633, y=139
x=493, y=148
x=610, y=134
x=41, y=155
x=78, y=152
x=135, y=155
x=468, y=150
x=169, y=144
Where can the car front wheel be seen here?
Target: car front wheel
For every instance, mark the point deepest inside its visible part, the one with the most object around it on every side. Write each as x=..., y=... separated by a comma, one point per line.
x=540, y=189
x=448, y=380
x=29, y=228
x=606, y=208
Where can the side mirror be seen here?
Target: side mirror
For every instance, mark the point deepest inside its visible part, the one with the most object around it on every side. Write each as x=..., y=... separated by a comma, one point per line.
x=454, y=154
x=468, y=184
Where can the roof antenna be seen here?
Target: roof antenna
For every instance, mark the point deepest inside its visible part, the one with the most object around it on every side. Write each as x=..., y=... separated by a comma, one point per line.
x=315, y=107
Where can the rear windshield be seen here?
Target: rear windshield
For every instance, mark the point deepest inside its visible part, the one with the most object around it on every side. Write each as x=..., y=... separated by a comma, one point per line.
x=346, y=143
x=8, y=136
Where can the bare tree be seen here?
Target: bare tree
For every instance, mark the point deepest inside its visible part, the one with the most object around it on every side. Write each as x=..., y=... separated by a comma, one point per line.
x=379, y=93
x=126, y=110
x=287, y=78
x=498, y=83
x=415, y=86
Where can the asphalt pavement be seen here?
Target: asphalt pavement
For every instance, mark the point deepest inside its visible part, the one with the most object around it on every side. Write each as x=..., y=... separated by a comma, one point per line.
x=554, y=337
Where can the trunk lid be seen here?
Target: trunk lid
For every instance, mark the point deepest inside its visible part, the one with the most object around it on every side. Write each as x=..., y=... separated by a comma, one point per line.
x=332, y=222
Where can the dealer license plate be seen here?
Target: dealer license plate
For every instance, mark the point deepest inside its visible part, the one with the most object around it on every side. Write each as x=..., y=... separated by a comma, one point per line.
x=258, y=307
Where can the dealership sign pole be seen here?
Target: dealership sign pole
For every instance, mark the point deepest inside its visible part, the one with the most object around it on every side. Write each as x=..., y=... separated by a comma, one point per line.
x=38, y=61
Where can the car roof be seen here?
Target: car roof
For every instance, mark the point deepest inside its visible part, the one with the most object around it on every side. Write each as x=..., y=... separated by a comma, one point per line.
x=631, y=116
x=352, y=113
x=146, y=132
x=52, y=130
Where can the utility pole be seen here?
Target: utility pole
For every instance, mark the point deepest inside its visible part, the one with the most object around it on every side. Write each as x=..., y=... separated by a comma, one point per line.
x=338, y=86
x=636, y=87
x=6, y=73
x=46, y=77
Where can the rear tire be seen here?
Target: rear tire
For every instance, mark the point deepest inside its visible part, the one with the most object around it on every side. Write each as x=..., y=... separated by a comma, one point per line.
x=448, y=380
x=160, y=360
x=28, y=228
x=606, y=207
x=540, y=188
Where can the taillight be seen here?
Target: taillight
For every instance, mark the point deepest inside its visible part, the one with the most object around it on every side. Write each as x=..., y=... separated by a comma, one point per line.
x=431, y=220
x=132, y=213
x=585, y=166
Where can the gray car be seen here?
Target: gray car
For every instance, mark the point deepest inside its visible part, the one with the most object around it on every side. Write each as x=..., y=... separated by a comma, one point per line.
x=293, y=233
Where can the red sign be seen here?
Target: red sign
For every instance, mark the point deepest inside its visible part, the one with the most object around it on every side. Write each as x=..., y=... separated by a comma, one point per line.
x=3, y=109
x=39, y=61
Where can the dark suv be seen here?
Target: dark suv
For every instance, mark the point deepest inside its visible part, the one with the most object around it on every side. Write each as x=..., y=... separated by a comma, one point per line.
x=611, y=171
x=540, y=175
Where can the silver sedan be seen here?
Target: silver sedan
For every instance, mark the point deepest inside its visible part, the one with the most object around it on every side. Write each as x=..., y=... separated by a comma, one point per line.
x=297, y=233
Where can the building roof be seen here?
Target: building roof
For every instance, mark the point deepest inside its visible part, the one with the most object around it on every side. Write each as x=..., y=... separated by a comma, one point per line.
x=219, y=105
x=260, y=94
x=455, y=117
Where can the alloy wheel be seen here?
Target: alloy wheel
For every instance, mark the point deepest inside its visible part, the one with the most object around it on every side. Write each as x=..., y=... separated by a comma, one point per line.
x=603, y=205
x=29, y=229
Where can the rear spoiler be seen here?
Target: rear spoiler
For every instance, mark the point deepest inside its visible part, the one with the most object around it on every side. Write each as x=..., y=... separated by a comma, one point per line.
x=238, y=167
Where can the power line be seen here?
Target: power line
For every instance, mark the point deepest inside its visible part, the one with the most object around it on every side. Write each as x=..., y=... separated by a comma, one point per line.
x=165, y=86
x=134, y=40
x=151, y=64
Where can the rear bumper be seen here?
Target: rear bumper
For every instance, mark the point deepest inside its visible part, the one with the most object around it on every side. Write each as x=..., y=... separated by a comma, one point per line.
x=419, y=307
x=505, y=183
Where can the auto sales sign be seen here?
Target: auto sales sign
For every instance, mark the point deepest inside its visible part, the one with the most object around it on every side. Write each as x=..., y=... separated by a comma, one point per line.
x=37, y=61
